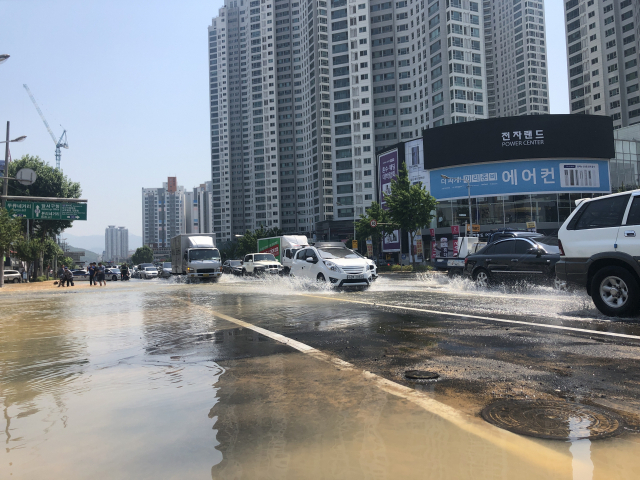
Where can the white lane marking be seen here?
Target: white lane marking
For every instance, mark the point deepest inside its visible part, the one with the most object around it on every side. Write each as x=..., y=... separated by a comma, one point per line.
x=522, y=446
x=479, y=317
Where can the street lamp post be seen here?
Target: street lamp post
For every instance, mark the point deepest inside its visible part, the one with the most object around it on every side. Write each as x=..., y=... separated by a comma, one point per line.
x=469, y=196
x=5, y=181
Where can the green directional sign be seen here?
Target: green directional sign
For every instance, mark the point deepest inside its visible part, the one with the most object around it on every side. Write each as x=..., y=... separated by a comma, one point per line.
x=48, y=210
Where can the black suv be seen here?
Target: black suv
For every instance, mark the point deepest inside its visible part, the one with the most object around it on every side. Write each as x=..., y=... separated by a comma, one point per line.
x=514, y=259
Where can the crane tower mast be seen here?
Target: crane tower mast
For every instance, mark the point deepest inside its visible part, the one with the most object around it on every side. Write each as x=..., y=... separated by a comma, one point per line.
x=62, y=141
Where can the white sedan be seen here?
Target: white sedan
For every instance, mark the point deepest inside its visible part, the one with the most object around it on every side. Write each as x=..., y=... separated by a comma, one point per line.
x=149, y=273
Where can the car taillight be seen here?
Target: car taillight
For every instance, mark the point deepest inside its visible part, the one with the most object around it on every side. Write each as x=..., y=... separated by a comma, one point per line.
x=465, y=260
x=560, y=247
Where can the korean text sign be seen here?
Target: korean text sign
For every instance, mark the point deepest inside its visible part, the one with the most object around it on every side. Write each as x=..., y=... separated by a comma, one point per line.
x=388, y=165
x=521, y=177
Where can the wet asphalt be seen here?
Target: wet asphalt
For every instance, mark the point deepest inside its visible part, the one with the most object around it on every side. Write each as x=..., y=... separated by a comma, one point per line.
x=137, y=360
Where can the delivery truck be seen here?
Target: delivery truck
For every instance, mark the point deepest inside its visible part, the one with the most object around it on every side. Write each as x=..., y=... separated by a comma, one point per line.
x=195, y=256
x=283, y=248
x=455, y=265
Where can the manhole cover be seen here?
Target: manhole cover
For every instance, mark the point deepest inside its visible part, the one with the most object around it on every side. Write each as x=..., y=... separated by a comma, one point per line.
x=420, y=375
x=553, y=420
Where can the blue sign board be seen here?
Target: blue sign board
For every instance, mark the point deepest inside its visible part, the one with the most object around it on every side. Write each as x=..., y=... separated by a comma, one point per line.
x=521, y=177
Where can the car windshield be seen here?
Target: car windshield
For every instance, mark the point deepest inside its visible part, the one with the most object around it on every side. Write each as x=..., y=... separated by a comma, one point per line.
x=151, y=269
x=115, y=270
x=234, y=263
x=259, y=257
x=166, y=265
x=204, y=254
x=336, y=252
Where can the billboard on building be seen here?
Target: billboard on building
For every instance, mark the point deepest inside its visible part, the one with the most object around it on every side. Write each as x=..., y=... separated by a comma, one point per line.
x=388, y=164
x=414, y=159
x=521, y=177
x=526, y=137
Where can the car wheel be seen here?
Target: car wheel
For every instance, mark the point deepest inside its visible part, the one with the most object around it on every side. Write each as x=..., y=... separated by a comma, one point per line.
x=320, y=278
x=481, y=277
x=16, y=280
x=114, y=278
x=244, y=272
x=615, y=291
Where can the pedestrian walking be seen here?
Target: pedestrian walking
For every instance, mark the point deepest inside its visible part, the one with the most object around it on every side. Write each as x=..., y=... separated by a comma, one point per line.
x=92, y=273
x=100, y=271
x=24, y=276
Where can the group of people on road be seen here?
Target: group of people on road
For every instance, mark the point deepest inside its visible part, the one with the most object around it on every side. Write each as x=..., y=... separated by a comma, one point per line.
x=96, y=275
x=65, y=276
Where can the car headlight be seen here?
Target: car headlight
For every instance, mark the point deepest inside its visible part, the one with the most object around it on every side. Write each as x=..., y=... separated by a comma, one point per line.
x=333, y=267
x=189, y=269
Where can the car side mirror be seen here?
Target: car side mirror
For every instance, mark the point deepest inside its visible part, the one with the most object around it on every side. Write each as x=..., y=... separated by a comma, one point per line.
x=310, y=260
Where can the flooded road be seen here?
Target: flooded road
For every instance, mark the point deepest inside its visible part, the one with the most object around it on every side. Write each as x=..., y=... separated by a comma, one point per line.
x=272, y=378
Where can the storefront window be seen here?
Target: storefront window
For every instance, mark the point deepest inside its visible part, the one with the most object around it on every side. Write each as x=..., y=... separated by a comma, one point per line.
x=545, y=208
x=489, y=210
x=443, y=214
x=517, y=209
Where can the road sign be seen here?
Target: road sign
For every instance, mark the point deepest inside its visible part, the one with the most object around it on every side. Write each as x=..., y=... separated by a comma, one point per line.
x=476, y=228
x=26, y=176
x=373, y=224
x=354, y=244
x=47, y=210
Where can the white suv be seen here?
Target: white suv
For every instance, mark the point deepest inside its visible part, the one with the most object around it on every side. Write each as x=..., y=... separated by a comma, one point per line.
x=600, y=249
x=260, y=264
x=332, y=262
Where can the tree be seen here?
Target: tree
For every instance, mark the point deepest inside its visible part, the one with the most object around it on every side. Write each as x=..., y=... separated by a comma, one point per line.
x=67, y=262
x=409, y=206
x=50, y=183
x=364, y=229
x=10, y=234
x=248, y=243
x=228, y=251
x=142, y=254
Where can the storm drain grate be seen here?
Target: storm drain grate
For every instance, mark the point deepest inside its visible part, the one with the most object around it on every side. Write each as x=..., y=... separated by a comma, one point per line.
x=420, y=375
x=553, y=420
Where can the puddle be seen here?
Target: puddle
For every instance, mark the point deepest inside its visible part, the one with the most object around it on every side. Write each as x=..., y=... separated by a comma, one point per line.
x=143, y=383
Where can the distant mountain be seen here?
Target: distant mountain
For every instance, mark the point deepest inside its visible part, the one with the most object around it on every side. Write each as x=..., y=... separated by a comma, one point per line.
x=95, y=243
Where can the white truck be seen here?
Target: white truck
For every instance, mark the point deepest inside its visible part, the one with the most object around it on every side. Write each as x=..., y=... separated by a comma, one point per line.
x=455, y=265
x=283, y=248
x=195, y=255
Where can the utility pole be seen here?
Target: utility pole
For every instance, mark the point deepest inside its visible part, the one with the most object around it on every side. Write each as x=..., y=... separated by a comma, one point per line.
x=5, y=182
x=5, y=186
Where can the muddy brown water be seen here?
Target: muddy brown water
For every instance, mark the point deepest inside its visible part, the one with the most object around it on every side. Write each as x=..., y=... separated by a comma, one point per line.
x=143, y=380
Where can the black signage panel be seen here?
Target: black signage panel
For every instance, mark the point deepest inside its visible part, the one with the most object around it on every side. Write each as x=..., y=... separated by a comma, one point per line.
x=510, y=138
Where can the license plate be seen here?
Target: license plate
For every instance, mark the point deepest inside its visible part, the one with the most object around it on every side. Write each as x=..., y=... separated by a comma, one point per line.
x=354, y=277
x=455, y=263
x=205, y=274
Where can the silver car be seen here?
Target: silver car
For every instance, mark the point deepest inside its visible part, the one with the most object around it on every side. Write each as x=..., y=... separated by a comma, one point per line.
x=12, y=276
x=149, y=273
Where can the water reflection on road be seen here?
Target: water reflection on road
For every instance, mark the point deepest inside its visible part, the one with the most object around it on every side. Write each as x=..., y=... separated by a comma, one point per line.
x=143, y=381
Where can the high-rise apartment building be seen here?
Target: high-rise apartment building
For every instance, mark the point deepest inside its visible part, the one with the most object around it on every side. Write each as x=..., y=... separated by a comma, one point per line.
x=163, y=214
x=303, y=94
x=603, y=44
x=116, y=243
x=516, y=57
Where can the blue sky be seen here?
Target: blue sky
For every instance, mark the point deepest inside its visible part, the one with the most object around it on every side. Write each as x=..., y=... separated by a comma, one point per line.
x=128, y=80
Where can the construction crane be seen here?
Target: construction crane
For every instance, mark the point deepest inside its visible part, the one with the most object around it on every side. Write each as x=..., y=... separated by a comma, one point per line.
x=62, y=142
